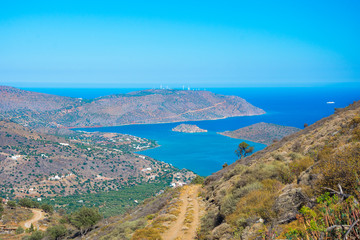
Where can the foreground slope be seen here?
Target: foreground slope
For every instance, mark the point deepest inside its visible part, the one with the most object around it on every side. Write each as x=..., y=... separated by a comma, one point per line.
x=44, y=111
x=270, y=193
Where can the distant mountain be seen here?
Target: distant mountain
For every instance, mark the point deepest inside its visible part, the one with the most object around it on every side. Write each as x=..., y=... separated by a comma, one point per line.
x=262, y=132
x=43, y=111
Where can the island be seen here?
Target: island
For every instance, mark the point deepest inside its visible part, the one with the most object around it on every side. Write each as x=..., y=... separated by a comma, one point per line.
x=264, y=133
x=188, y=128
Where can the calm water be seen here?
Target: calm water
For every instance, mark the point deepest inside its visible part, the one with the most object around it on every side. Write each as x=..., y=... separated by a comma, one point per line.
x=204, y=153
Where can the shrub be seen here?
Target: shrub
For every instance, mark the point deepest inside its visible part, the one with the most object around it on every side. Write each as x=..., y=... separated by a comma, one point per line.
x=341, y=167
x=279, y=157
x=257, y=203
x=47, y=208
x=240, y=192
x=146, y=234
x=198, y=180
x=300, y=165
x=11, y=204
x=1, y=209
x=295, y=156
x=125, y=230
x=313, y=223
x=228, y=204
x=37, y=235
x=56, y=232
x=297, y=147
x=25, y=202
x=19, y=230
x=85, y=218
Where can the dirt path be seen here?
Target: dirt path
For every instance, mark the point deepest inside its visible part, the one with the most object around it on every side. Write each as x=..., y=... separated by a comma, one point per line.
x=38, y=215
x=184, y=228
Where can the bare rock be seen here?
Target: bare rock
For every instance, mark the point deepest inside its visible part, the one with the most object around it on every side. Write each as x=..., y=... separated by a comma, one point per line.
x=307, y=177
x=222, y=232
x=288, y=204
x=252, y=232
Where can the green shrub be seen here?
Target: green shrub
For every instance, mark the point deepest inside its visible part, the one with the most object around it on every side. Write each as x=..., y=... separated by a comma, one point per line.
x=85, y=218
x=198, y=180
x=19, y=230
x=11, y=204
x=313, y=223
x=56, y=232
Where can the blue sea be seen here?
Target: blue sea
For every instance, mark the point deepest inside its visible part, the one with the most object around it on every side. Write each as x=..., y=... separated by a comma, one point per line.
x=205, y=153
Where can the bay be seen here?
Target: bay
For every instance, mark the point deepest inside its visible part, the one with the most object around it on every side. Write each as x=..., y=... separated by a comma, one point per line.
x=205, y=153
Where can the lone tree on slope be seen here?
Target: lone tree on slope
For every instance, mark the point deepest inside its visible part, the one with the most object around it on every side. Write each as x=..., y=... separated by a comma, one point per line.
x=244, y=150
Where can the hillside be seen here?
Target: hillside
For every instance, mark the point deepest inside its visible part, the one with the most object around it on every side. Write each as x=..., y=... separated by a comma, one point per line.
x=276, y=192
x=40, y=165
x=289, y=190
x=44, y=111
x=265, y=133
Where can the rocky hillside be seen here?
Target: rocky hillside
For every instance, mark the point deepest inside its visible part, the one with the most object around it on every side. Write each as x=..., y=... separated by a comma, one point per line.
x=265, y=133
x=44, y=111
x=291, y=189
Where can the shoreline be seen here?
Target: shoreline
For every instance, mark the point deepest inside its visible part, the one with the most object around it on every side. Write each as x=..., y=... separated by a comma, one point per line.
x=180, y=121
x=220, y=133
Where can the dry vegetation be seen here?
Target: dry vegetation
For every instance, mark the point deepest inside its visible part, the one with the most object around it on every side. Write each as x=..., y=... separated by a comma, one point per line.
x=274, y=191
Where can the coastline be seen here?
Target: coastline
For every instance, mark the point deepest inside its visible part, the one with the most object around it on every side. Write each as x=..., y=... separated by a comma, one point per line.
x=180, y=121
x=220, y=133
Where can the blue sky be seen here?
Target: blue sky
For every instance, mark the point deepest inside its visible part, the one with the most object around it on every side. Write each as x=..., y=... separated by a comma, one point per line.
x=174, y=43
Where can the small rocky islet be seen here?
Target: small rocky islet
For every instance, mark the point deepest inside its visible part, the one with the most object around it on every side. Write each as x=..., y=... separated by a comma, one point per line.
x=188, y=128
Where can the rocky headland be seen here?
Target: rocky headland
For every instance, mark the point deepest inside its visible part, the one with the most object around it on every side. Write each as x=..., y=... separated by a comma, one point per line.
x=264, y=133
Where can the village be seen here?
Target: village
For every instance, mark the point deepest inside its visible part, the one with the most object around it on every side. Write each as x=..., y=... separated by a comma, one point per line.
x=122, y=143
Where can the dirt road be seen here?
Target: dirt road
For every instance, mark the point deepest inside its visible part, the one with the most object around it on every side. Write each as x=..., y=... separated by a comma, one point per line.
x=184, y=228
x=38, y=215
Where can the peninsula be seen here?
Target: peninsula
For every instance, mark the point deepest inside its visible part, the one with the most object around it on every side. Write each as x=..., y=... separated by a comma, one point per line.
x=44, y=111
x=264, y=133
x=188, y=128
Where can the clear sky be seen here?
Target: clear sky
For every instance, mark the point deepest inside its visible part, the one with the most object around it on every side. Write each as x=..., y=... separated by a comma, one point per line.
x=174, y=43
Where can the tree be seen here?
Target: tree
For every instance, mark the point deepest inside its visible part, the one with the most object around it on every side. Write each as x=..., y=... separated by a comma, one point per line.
x=19, y=230
x=37, y=235
x=47, y=208
x=85, y=218
x=11, y=204
x=25, y=202
x=225, y=165
x=1, y=209
x=31, y=229
x=244, y=150
x=56, y=232
x=306, y=125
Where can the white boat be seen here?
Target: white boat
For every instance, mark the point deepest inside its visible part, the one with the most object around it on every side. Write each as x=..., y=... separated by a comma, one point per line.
x=330, y=102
